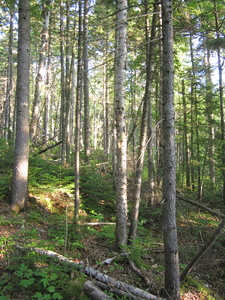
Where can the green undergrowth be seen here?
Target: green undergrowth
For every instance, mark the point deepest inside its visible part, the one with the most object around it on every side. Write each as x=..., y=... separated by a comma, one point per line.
x=32, y=276
x=48, y=223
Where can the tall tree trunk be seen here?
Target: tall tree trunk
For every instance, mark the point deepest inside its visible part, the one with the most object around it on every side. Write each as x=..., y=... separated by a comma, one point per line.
x=192, y=157
x=86, y=85
x=40, y=72
x=186, y=148
x=9, y=86
x=221, y=93
x=159, y=116
x=63, y=128
x=172, y=277
x=209, y=113
x=19, y=191
x=195, y=121
x=78, y=117
x=67, y=84
x=151, y=171
x=47, y=89
x=144, y=128
x=106, y=102
x=121, y=132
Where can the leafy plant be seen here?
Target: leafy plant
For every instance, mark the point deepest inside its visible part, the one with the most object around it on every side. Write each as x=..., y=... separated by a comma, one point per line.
x=29, y=277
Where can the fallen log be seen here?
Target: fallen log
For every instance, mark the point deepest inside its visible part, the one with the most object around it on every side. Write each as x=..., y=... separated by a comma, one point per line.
x=49, y=147
x=204, y=248
x=115, y=291
x=109, y=261
x=203, y=207
x=139, y=273
x=138, y=293
x=94, y=293
x=94, y=274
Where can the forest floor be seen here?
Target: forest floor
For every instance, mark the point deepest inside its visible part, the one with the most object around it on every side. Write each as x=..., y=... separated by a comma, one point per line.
x=49, y=225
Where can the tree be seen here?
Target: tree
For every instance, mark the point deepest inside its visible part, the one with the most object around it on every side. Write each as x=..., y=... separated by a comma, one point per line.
x=121, y=134
x=19, y=192
x=78, y=117
x=221, y=92
x=86, y=83
x=9, y=89
x=150, y=47
x=40, y=72
x=172, y=277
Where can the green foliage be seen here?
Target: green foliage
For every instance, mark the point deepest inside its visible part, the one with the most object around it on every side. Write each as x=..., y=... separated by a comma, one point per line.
x=98, y=195
x=74, y=289
x=6, y=158
x=34, y=278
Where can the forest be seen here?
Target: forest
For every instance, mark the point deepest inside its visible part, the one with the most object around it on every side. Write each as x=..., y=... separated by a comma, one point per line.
x=112, y=149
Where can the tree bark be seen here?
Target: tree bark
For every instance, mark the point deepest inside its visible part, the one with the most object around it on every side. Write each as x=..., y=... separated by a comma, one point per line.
x=19, y=192
x=143, y=132
x=94, y=292
x=7, y=124
x=63, y=120
x=172, y=277
x=40, y=72
x=121, y=132
x=186, y=147
x=209, y=112
x=78, y=118
x=221, y=96
x=86, y=86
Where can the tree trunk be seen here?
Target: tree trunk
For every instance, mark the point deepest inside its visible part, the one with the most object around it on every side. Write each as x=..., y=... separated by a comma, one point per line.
x=19, y=192
x=221, y=93
x=159, y=114
x=86, y=86
x=106, y=102
x=186, y=148
x=121, y=132
x=172, y=277
x=7, y=124
x=94, y=292
x=40, y=73
x=78, y=117
x=209, y=113
x=47, y=90
x=143, y=132
x=63, y=128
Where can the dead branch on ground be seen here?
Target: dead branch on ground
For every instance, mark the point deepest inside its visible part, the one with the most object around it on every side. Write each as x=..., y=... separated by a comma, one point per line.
x=94, y=274
x=94, y=292
x=203, y=207
x=204, y=248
